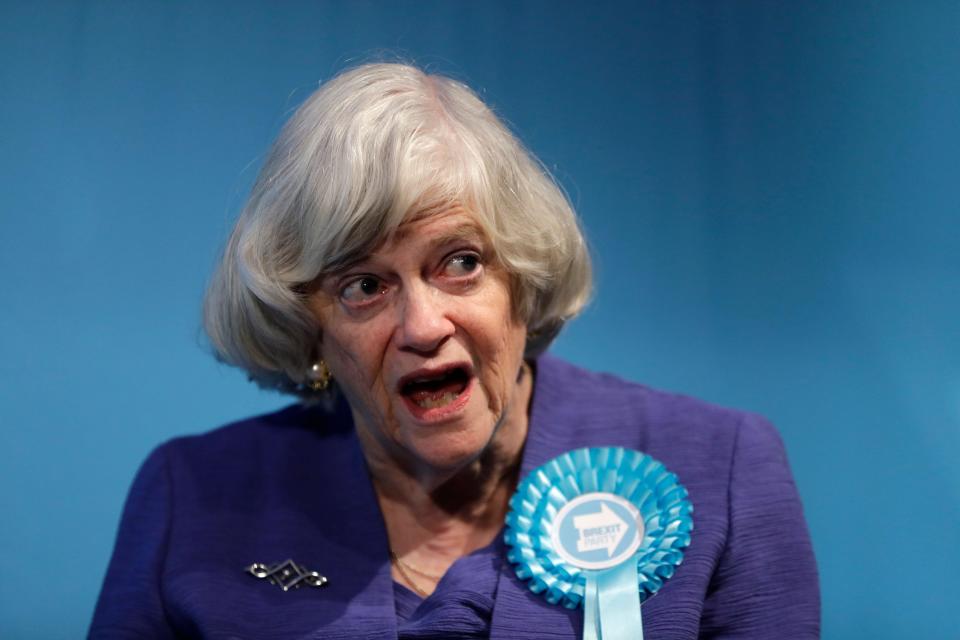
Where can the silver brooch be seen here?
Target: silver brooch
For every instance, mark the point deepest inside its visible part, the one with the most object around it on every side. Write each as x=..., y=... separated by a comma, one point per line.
x=287, y=574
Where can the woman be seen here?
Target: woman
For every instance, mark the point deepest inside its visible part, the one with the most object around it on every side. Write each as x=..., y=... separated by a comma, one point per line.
x=401, y=265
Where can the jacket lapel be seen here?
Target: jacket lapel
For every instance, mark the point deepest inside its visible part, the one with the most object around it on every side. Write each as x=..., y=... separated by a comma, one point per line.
x=351, y=536
x=518, y=613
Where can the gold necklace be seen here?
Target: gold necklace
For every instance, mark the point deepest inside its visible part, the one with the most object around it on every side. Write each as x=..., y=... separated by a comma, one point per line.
x=402, y=568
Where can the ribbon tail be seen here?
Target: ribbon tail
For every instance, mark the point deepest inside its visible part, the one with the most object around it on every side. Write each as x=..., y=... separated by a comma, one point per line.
x=618, y=603
x=591, y=624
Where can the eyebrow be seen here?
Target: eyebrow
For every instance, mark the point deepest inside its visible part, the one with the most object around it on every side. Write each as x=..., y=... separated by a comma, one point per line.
x=467, y=229
x=461, y=232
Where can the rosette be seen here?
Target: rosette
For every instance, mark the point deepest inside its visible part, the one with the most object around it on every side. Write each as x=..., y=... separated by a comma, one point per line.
x=603, y=527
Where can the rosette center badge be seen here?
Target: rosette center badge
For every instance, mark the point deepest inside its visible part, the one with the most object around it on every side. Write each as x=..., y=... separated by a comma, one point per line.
x=597, y=531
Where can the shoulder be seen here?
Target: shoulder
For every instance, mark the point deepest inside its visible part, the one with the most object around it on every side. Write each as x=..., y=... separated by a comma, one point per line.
x=703, y=443
x=294, y=423
x=655, y=419
x=245, y=457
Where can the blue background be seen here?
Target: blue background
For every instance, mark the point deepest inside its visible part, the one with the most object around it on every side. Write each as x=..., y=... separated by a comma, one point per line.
x=770, y=190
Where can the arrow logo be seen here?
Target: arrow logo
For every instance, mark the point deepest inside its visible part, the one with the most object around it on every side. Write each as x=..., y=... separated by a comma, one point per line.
x=601, y=530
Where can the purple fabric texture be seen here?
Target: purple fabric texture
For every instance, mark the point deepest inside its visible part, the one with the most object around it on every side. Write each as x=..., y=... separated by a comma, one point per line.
x=462, y=605
x=294, y=484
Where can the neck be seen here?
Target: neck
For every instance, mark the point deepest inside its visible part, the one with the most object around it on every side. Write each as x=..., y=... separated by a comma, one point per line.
x=434, y=518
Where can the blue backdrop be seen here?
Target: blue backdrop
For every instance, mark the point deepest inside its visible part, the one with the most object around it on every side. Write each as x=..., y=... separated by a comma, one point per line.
x=770, y=190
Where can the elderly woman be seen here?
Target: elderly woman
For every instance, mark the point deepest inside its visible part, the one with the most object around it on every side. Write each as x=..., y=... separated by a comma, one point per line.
x=401, y=266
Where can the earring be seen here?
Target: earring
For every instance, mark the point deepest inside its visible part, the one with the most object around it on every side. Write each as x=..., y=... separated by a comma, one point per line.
x=318, y=376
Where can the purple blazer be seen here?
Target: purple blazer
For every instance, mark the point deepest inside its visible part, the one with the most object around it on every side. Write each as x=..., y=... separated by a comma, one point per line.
x=294, y=484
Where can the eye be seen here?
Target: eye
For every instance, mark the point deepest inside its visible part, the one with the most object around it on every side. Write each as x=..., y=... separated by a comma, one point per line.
x=462, y=264
x=362, y=289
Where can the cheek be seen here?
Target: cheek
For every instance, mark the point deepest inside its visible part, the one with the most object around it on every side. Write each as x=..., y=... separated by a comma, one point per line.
x=353, y=359
x=504, y=344
x=353, y=374
x=358, y=374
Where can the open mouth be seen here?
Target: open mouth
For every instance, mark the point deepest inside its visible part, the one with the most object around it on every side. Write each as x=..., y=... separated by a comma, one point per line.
x=435, y=389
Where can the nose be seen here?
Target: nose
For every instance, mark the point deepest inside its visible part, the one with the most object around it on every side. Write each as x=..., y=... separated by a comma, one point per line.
x=424, y=324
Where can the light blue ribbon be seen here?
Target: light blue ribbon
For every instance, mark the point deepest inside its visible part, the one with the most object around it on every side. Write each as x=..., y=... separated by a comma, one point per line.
x=611, y=606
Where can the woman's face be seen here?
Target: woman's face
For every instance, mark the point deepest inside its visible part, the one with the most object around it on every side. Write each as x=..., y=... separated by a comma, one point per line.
x=422, y=340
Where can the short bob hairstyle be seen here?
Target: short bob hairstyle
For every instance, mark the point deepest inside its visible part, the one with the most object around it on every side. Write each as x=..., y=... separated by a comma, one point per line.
x=369, y=148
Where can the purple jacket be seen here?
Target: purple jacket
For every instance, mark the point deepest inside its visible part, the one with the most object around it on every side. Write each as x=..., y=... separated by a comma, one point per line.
x=294, y=484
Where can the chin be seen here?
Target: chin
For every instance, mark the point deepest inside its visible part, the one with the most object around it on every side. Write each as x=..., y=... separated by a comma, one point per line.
x=450, y=451
x=447, y=438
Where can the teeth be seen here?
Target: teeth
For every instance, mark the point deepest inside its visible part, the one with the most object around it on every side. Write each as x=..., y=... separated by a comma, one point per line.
x=433, y=403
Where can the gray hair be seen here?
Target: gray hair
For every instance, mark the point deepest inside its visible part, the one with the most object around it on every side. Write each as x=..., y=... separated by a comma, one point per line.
x=367, y=149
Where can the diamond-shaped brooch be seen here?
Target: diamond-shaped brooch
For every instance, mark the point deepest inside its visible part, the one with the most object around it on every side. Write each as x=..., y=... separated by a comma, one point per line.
x=287, y=574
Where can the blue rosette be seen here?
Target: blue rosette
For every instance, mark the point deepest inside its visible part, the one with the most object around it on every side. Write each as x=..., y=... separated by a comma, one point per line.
x=601, y=528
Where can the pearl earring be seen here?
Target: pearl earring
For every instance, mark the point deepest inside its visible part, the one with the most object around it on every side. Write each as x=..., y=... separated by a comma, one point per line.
x=318, y=376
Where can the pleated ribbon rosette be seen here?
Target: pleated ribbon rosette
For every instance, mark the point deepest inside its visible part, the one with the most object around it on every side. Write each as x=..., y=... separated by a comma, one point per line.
x=604, y=527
